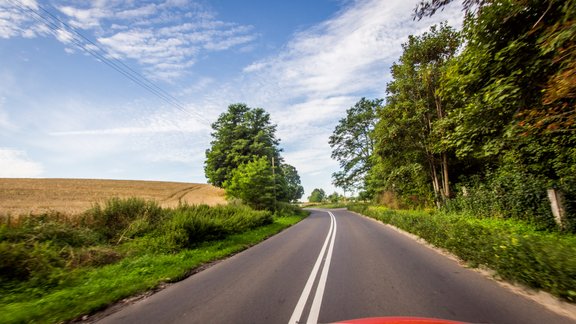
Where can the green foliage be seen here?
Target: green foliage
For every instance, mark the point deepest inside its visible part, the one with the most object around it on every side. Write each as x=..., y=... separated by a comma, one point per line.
x=240, y=134
x=190, y=225
x=507, y=193
x=292, y=190
x=114, y=219
x=253, y=183
x=243, y=147
x=334, y=197
x=55, y=268
x=84, y=292
x=517, y=251
x=408, y=159
x=317, y=195
x=496, y=117
x=352, y=144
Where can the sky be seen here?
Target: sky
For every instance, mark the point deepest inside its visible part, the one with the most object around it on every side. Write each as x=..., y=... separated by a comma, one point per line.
x=115, y=89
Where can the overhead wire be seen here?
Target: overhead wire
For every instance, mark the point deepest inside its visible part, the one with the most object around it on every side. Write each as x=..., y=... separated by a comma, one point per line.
x=56, y=25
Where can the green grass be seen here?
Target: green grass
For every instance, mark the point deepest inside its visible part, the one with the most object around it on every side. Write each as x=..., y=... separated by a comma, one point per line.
x=517, y=251
x=72, y=291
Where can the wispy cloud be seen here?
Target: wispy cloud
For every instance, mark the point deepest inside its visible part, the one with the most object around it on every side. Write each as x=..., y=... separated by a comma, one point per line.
x=165, y=38
x=325, y=69
x=16, y=164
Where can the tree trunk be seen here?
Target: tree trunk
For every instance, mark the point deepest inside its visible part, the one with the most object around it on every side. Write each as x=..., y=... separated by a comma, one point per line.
x=446, y=181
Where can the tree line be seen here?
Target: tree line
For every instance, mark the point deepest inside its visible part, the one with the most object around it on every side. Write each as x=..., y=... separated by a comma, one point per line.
x=480, y=119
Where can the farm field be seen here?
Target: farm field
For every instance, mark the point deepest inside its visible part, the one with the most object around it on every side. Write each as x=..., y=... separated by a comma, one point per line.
x=73, y=196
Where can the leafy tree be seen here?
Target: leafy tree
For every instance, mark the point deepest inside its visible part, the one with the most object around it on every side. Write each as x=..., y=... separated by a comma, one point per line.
x=240, y=134
x=293, y=189
x=407, y=141
x=352, y=144
x=514, y=94
x=334, y=197
x=253, y=183
x=245, y=159
x=317, y=195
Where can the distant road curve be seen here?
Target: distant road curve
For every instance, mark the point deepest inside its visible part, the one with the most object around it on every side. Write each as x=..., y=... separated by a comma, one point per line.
x=335, y=266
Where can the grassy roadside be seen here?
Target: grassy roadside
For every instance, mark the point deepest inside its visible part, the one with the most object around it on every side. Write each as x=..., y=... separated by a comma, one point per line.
x=517, y=251
x=85, y=289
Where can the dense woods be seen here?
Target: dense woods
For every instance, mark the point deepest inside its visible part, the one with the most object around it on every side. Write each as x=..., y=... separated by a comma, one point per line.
x=478, y=120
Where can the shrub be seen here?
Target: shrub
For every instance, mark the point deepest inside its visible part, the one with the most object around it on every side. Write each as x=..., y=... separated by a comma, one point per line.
x=114, y=218
x=37, y=263
x=48, y=228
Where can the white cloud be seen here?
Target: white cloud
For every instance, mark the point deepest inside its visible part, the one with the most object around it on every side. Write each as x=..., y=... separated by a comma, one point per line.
x=15, y=20
x=325, y=69
x=86, y=18
x=16, y=164
x=158, y=35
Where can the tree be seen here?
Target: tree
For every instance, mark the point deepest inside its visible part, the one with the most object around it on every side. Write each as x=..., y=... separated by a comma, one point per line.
x=293, y=189
x=240, y=134
x=407, y=139
x=253, y=183
x=513, y=89
x=245, y=159
x=334, y=197
x=317, y=195
x=352, y=144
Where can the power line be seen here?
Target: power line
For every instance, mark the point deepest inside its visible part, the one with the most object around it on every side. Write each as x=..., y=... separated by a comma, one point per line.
x=56, y=25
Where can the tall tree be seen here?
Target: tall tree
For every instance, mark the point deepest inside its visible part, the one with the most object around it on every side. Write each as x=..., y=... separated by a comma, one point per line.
x=353, y=144
x=407, y=140
x=513, y=81
x=240, y=134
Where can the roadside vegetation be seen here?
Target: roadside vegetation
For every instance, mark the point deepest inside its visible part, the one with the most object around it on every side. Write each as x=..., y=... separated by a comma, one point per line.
x=55, y=267
x=480, y=120
x=474, y=146
x=517, y=251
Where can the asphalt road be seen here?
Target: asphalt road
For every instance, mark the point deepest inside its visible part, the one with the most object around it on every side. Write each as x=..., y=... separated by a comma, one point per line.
x=330, y=267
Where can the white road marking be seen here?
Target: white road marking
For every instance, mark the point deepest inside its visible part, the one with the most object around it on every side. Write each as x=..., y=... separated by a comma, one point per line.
x=316, y=303
x=315, y=310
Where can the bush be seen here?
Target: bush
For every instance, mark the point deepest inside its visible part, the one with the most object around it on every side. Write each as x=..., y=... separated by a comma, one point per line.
x=113, y=220
x=517, y=251
x=51, y=227
x=506, y=193
x=37, y=263
x=186, y=226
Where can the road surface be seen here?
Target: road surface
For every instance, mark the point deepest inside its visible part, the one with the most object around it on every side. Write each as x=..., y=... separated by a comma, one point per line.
x=335, y=266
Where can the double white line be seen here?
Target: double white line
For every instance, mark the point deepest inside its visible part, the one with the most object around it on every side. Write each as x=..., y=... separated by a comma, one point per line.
x=316, y=303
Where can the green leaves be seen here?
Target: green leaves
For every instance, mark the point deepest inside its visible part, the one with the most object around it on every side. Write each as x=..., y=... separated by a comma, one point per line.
x=239, y=134
x=352, y=143
x=253, y=183
x=245, y=159
x=317, y=195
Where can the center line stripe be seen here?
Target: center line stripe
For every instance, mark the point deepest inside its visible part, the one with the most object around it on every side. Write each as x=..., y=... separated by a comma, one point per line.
x=295, y=318
x=315, y=310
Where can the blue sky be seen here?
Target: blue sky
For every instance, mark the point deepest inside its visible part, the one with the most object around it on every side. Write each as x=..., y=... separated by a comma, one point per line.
x=65, y=113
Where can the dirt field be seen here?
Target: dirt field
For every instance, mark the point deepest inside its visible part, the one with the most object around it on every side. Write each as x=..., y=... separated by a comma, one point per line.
x=72, y=196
